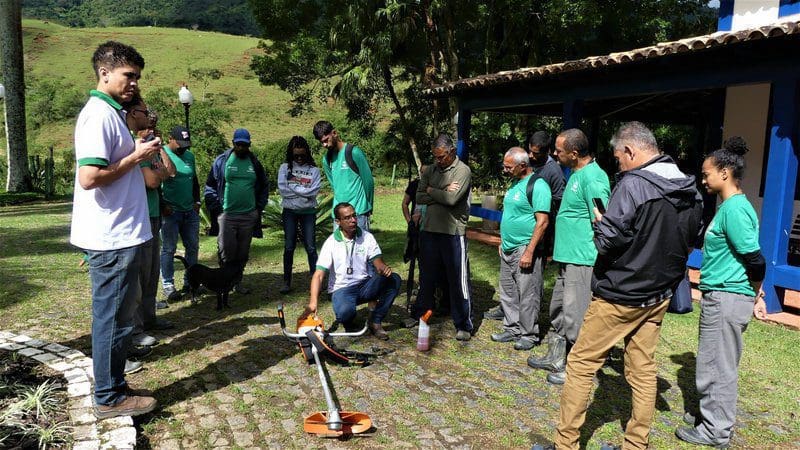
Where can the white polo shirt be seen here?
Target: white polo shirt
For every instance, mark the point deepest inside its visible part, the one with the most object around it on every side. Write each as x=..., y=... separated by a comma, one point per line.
x=114, y=216
x=340, y=254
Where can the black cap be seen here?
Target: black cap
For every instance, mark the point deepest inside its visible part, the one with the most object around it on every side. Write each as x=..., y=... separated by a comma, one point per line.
x=181, y=136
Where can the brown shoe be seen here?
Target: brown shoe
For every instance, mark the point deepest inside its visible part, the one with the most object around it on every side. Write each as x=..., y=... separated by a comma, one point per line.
x=378, y=331
x=131, y=406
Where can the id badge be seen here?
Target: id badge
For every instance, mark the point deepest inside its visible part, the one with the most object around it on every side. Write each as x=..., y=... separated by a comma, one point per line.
x=349, y=270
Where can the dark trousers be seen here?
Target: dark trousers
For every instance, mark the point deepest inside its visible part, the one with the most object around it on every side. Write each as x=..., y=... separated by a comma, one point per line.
x=307, y=223
x=443, y=259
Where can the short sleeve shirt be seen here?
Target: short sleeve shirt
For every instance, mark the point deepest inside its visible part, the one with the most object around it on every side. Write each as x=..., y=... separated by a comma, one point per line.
x=574, y=242
x=177, y=190
x=240, y=185
x=519, y=215
x=732, y=233
x=113, y=216
x=338, y=254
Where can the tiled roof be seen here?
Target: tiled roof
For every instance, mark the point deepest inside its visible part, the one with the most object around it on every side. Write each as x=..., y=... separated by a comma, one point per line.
x=692, y=44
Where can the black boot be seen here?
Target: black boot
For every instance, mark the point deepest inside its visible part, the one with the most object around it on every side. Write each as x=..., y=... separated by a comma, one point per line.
x=555, y=355
x=559, y=374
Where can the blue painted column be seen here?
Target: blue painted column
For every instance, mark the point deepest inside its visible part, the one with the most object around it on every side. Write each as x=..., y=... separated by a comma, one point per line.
x=781, y=176
x=463, y=126
x=572, y=114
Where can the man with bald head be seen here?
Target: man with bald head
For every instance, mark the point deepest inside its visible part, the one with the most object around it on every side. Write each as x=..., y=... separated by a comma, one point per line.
x=573, y=249
x=643, y=242
x=526, y=207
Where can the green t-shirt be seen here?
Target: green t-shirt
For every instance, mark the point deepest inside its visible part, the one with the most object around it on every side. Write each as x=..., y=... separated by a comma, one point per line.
x=152, y=194
x=177, y=190
x=519, y=218
x=732, y=232
x=348, y=186
x=574, y=235
x=240, y=185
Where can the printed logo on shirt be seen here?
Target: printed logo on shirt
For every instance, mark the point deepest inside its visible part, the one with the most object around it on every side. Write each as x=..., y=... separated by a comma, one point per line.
x=516, y=196
x=575, y=187
x=344, y=165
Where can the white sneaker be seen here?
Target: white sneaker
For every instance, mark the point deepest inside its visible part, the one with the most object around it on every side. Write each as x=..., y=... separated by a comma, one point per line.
x=141, y=340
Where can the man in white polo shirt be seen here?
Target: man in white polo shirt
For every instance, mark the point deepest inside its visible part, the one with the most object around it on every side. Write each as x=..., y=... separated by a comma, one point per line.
x=110, y=222
x=347, y=254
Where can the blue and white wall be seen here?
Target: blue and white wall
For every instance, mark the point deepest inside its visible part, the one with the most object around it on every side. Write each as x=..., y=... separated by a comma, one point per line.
x=741, y=14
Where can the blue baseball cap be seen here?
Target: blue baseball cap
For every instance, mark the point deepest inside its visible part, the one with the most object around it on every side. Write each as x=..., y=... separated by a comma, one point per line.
x=241, y=135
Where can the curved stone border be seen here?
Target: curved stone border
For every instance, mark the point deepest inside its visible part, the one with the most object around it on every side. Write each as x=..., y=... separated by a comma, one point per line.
x=88, y=433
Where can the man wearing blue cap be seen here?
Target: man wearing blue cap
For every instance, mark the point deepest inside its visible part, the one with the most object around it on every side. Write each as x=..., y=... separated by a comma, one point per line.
x=236, y=192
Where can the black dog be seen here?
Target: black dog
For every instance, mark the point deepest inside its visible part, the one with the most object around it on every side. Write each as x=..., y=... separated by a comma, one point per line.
x=219, y=280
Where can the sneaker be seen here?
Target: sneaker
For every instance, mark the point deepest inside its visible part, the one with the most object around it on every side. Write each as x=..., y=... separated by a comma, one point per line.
x=505, y=336
x=692, y=436
x=132, y=366
x=285, y=289
x=463, y=335
x=557, y=378
x=162, y=304
x=410, y=322
x=171, y=294
x=159, y=324
x=240, y=289
x=139, y=351
x=378, y=331
x=495, y=313
x=690, y=419
x=141, y=340
x=130, y=406
x=524, y=343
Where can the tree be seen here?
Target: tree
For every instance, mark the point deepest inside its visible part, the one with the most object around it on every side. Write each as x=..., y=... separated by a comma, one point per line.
x=19, y=179
x=361, y=49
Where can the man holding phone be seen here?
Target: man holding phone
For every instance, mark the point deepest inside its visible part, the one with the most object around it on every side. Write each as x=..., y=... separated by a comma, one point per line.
x=574, y=249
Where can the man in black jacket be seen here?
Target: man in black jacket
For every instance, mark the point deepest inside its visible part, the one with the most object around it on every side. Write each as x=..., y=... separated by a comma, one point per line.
x=643, y=242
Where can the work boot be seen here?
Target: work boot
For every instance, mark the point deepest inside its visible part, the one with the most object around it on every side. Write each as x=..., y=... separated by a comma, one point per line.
x=505, y=336
x=378, y=331
x=558, y=378
x=556, y=351
x=132, y=366
x=495, y=313
x=692, y=436
x=130, y=406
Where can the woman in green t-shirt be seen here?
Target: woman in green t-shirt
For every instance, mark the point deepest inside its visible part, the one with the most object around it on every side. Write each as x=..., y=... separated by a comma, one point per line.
x=730, y=280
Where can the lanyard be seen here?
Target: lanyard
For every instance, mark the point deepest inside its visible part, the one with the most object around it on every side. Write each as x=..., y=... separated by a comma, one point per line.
x=350, y=259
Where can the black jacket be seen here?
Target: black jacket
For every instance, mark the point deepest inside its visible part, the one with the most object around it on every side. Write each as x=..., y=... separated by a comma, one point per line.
x=643, y=242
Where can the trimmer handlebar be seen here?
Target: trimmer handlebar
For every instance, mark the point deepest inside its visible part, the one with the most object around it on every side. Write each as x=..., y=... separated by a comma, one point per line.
x=296, y=336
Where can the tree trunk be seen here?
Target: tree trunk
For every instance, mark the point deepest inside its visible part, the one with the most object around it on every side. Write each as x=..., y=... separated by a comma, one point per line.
x=433, y=69
x=387, y=78
x=19, y=179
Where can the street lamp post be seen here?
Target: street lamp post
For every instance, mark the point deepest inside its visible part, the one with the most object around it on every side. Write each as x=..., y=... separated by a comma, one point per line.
x=187, y=99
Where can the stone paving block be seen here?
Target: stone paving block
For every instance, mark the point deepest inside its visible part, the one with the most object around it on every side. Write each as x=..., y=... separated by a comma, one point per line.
x=75, y=375
x=289, y=425
x=168, y=444
x=209, y=422
x=47, y=358
x=124, y=437
x=82, y=416
x=243, y=439
x=6, y=335
x=20, y=339
x=84, y=433
x=86, y=445
x=237, y=422
x=116, y=422
x=55, y=348
x=30, y=352
x=61, y=366
x=35, y=343
x=71, y=354
x=85, y=401
x=11, y=346
x=79, y=389
x=83, y=362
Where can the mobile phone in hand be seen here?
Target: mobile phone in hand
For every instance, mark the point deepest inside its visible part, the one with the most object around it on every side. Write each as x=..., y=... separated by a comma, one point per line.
x=599, y=205
x=149, y=137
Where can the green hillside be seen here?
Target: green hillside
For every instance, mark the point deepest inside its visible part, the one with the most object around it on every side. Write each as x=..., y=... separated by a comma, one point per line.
x=54, y=52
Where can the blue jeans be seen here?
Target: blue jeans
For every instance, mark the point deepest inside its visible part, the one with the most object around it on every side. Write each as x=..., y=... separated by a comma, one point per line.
x=383, y=289
x=187, y=225
x=115, y=290
x=308, y=224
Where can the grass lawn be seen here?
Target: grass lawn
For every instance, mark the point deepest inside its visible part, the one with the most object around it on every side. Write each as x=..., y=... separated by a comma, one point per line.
x=229, y=379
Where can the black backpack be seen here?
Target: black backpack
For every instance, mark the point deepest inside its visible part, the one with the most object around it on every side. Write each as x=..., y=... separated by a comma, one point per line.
x=529, y=188
x=348, y=156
